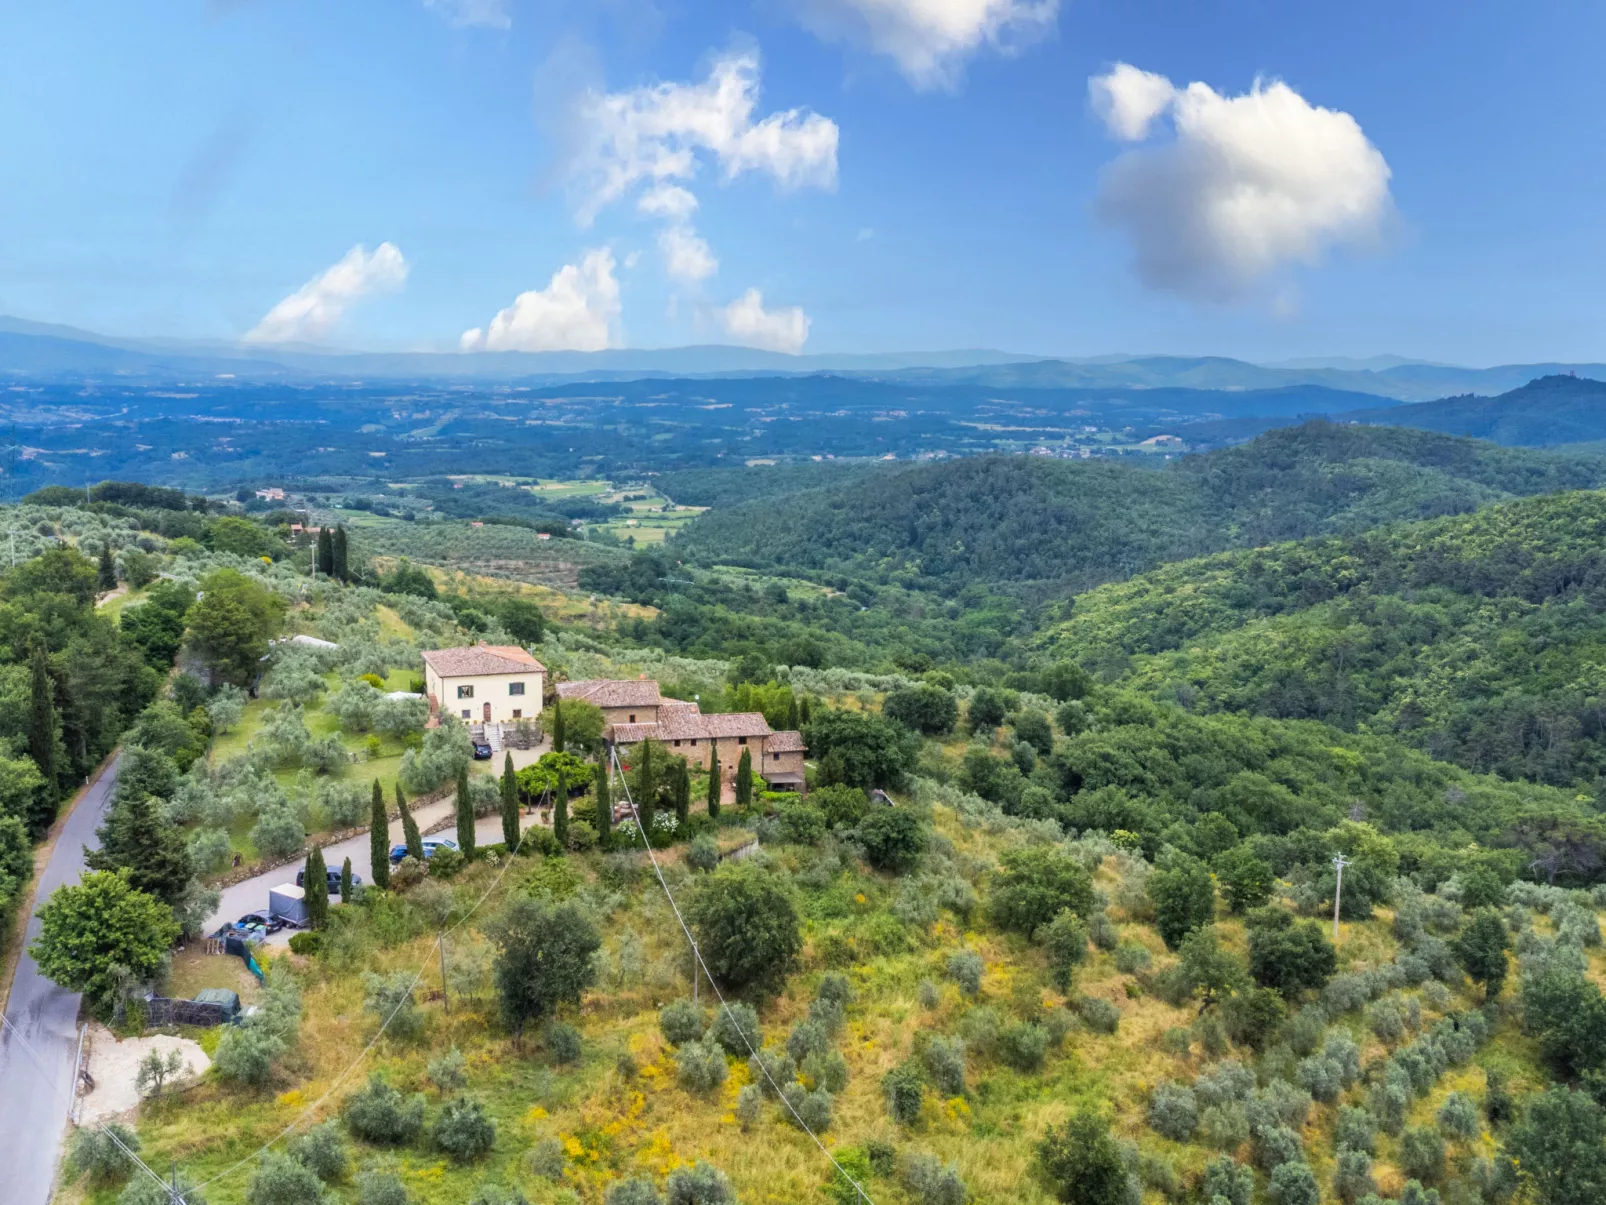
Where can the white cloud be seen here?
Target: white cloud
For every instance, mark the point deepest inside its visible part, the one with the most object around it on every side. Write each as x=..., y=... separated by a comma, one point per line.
x=930, y=39
x=1248, y=184
x=660, y=133
x=1129, y=100
x=687, y=256
x=749, y=323
x=577, y=311
x=465, y=14
x=311, y=311
x=667, y=201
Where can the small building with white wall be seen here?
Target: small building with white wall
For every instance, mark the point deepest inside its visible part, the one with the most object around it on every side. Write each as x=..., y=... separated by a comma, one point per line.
x=484, y=683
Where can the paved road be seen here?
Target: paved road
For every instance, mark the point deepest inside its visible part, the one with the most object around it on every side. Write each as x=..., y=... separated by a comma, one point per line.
x=34, y=1094
x=251, y=895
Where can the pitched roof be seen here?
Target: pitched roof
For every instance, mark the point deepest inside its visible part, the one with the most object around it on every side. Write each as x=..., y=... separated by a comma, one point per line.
x=677, y=707
x=481, y=660
x=609, y=692
x=785, y=742
x=681, y=724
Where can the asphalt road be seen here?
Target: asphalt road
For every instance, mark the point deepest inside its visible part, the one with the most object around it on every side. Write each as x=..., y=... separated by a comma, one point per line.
x=251, y=895
x=36, y=1087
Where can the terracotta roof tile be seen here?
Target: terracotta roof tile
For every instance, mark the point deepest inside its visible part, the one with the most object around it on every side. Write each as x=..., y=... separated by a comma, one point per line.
x=480, y=660
x=606, y=692
x=785, y=742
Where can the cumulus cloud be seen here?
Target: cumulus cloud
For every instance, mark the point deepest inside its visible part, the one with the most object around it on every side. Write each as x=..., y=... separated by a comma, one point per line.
x=930, y=39
x=311, y=312
x=687, y=256
x=577, y=311
x=668, y=201
x=1245, y=186
x=663, y=132
x=749, y=323
x=467, y=14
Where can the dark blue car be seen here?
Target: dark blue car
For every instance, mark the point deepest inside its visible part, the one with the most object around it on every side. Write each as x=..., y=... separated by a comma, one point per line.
x=431, y=844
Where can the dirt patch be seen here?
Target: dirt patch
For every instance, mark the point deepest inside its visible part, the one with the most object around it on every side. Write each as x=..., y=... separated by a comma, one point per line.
x=114, y=1066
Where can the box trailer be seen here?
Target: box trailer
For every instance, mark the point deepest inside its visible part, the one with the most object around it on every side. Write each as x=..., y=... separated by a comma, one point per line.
x=289, y=903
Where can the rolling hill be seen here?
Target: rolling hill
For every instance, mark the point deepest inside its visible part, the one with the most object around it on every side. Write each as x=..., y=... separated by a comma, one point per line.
x=1549, y=411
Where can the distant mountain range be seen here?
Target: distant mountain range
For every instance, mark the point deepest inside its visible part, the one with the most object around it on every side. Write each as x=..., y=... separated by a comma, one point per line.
x=1553, y=410
x=40, y=350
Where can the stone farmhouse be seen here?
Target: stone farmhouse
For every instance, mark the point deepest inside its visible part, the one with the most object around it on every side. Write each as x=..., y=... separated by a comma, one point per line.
x=484, y=684
x=634, y=712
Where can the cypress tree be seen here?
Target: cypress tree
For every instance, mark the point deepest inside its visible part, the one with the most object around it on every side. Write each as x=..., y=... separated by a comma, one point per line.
x=510, y=804
x=646, y=790
x=713, y=784
x=557, y=726
x=346, y=884
x=42, y=742
x=315, y=888
x=465, y=816
x=325, y=552
x=604, y=803
x=682, y=781
x=803, y=710
x=560, y=810
x=379, y=839
x=136, y=837
x=338, y=553
x=106, y=576
x=744, y=779
x=415, y=841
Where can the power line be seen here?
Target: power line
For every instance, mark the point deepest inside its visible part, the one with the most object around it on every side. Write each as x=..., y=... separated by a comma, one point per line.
x=698, y=955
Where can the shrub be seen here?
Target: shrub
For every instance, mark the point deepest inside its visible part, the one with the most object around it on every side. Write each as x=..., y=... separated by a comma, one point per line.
x=1356, y=1130
x=928, y=994
x=1321, y=1077
x=1224, y=1126
x=379, y=1114
x=944, y=1060
x=1080, y=1162
x=1035, y=884
x=1132, y=958
x=1422, y=1154
x=772, y=1070
x=801, y=823
x=699, y=1184
x=747, y=927
x=1291, y=958
x=806, y=1038
x=680, y=1021
x=1105, y=933
x=903, y=1089
x=94, y=1153
x=463, y=1130
x=497, y=1194
x=1459, y=1116
x=448, y=1072
x=703, y=853
x=965, y=968
x=390, y=999
x=817, y=1110
x=246, y=1053
x=702, y=1066
x=893, y=838
x=1352, y=1175
x=931, y=1182
x=1294, y=1183
x=322, y=1151
x=1023, y=1045
x=736, y=1029
x=1229, y=1180
x=635, y=1191
x=749, y=1105
x=380, y=1186
x=1228, y=1082
x=547, y=1159
x=280, y=1180
x=1098, y=1014
x=1064, y=940
x=834, y=986
x=1173, y=1111
x=826, y=1069
x=1276, y=1145
x=563, y=1043
x=829, y=1015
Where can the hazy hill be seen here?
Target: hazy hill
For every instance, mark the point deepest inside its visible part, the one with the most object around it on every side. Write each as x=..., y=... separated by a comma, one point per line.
x=1543, y=413
x=1077, y=523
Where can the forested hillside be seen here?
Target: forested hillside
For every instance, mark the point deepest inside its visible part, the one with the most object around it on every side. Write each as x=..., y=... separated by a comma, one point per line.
x=1078, y=523
x=1543, y=413
x=1475, y=637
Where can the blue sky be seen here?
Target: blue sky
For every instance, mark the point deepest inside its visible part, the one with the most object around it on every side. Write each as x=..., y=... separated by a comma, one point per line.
x=875, y=175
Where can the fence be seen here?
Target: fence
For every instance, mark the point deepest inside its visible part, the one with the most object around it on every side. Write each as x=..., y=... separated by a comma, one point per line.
x=159, y=1010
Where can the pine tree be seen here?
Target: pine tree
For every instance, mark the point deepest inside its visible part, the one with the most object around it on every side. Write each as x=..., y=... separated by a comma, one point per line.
x=646, y=790
x=338, y=566
x=510, y=804
x=315, y=889
x=682, y=788
x=42, y=742
x=136, y=836
x=379, y=839
x=557, y=726
x=744, y=779
x=714, y=788
x=415, y=841
x=325, y=552
x=106, y=577
x=560, y=810
x=347, y=885
x=465, y=816
x=604, y=803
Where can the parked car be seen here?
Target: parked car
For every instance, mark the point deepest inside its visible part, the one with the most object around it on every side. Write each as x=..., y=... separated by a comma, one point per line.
x=332, y=875
x=482, y=751
x=251, y=920
x=431, y=844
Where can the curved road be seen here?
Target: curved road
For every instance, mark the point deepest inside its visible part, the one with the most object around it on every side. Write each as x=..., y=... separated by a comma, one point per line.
x=36, y=1087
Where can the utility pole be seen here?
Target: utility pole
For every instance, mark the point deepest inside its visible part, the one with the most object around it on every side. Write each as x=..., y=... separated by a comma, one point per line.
x=1339, y=862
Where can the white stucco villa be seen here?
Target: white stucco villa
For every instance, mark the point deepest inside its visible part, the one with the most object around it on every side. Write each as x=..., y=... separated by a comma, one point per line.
x=484, y=683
